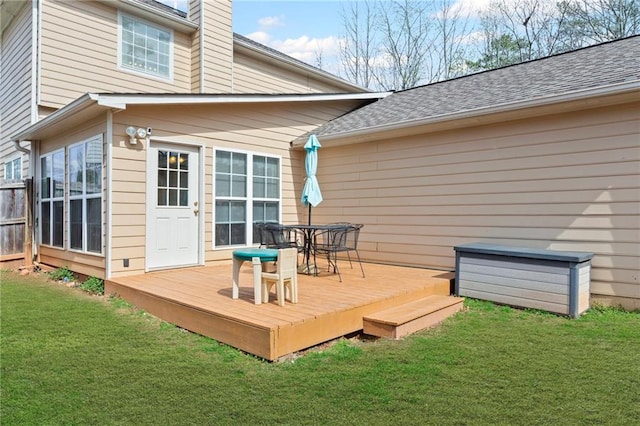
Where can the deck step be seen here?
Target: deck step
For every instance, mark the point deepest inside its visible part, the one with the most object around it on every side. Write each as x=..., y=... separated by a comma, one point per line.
x=410, y=317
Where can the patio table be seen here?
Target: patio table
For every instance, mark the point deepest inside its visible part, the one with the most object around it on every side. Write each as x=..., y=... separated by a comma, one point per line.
x=309, y=231
x=257, y=256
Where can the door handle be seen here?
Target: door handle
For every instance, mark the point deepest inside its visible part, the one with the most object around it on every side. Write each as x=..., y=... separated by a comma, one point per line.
x=195, y=212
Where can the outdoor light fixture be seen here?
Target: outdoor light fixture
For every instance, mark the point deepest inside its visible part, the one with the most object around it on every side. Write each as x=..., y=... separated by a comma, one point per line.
x=139, y=133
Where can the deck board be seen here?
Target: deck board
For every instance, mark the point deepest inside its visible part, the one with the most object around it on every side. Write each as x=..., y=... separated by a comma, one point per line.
x=199, y=299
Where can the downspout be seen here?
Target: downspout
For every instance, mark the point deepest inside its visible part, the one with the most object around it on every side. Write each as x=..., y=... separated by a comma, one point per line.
x=22, y=149
x=36, y=43
x=109, y=195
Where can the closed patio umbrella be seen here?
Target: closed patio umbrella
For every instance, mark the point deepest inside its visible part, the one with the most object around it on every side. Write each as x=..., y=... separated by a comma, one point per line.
x=311, y=195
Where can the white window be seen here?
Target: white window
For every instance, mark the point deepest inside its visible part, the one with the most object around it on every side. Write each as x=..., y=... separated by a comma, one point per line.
x=13, y=169
x=52, y=198
x=247, y=190
x=85, y=196
x=145, y=48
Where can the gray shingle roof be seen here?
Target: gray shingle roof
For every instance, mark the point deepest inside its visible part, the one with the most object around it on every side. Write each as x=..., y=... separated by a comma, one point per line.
x=588, y=68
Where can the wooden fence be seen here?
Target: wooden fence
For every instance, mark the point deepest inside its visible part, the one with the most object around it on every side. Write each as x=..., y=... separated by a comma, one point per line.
x=15, y=221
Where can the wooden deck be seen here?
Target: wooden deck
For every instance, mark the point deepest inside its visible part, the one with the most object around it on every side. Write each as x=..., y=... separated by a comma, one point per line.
x=199, y=299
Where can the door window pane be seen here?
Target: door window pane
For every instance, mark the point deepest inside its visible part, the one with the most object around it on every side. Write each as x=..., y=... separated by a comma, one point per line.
x=173, y=174
x=163, y=197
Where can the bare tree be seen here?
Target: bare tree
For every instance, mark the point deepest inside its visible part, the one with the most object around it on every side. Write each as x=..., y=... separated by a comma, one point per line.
x=404, y=28
x=533, y=24
x=597, y=21
x=398, y=44
x=450, y=42
x=357, y=49
x=319, y=56
x=532, y=29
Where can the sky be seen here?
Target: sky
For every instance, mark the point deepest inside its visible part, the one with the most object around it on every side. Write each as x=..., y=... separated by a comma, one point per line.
x=296, y=27
x=299, y=28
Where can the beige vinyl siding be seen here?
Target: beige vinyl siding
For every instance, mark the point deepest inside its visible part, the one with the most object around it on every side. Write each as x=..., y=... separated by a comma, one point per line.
x=563, y=182
x=251, y=75
x=15, y=96
x=83, y=263
x=217, y=50
x=77, y=262
x=261, y=128
x=79, y=54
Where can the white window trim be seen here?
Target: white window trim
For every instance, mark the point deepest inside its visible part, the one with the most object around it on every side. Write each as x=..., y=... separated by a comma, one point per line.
x=84, y=196
x=10, y=160
x=249, y=197
x=121, y=67
x=51, y=199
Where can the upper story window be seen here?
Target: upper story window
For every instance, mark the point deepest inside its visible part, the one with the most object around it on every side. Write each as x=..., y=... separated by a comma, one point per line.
x=145, y=48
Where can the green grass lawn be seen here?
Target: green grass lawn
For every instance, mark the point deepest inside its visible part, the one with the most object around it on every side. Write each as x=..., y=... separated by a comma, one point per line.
x=69, y=358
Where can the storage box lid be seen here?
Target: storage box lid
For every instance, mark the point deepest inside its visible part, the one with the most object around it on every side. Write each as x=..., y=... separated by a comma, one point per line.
x=485, y=248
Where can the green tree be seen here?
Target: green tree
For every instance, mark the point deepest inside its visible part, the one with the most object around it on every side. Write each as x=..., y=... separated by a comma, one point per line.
x=499, y=52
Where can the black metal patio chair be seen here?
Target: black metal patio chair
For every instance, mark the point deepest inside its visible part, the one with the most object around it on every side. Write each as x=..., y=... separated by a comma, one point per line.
x=340, y=238
x=275, y=235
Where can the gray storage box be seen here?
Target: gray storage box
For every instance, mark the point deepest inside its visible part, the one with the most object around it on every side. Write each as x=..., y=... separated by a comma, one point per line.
x=555, y=281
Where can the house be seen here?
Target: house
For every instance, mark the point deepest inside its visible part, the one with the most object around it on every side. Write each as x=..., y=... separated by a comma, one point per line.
x=131, y=179
x=79, y=75
x=545, y=154
x=53, y=52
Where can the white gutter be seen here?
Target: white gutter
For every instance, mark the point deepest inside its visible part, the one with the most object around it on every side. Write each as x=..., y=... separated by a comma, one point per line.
x=121, y=101
x=613, y=89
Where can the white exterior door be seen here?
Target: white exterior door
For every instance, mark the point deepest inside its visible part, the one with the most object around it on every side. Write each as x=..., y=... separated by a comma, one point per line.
x=173, y=209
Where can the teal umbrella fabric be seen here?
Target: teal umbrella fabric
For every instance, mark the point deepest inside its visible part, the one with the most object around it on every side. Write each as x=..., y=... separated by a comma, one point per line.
x=311, y=194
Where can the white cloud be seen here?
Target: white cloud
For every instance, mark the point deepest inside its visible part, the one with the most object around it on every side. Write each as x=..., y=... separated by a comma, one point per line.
x=303, y=48
x=260, y=36
x=270, y=22
x=470, y=8
x=307, y=49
